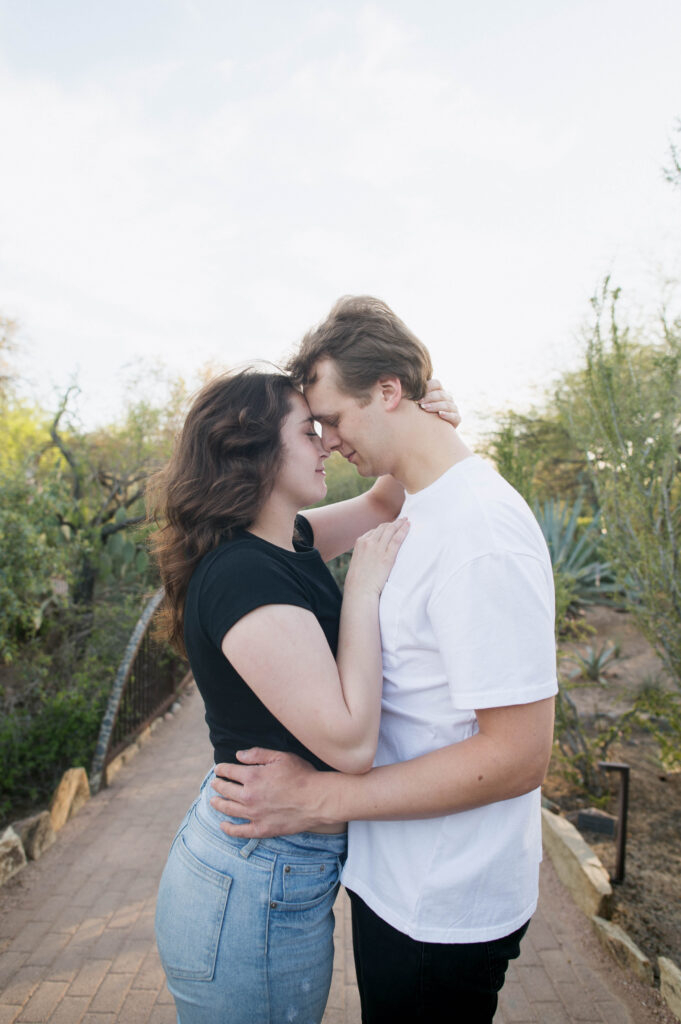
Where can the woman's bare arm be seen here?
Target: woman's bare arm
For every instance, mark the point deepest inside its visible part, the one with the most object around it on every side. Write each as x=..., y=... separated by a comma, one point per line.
x=332, y=707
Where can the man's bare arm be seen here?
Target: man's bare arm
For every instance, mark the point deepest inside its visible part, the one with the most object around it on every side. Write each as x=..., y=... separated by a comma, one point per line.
x=281, y=794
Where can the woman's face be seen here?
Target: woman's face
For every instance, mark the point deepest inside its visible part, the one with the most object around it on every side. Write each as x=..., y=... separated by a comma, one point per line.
x=301, y=476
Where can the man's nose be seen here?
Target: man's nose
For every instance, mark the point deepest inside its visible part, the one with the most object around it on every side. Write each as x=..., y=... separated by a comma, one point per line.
x=330, y=439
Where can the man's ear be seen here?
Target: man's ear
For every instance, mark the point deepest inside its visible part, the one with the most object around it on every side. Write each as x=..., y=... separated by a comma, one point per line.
x=391, y=392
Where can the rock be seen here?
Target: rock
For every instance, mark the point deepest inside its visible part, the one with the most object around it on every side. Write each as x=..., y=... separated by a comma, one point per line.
x=36, y=834
x=12, y=856
x=577, y=866
x=70, y=795
x=144, y=736
x=670, y=984
x=620, y=946
x=113, y=768
x=175, y=707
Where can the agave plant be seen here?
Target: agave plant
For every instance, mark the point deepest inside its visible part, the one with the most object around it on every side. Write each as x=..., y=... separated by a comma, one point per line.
x=593, y=663
x=575, y=551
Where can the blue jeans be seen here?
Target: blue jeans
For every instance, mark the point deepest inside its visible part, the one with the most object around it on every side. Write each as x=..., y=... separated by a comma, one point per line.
x=245, y=927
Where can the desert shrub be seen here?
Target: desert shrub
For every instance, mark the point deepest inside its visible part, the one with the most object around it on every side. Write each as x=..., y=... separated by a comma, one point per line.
x=624, y=410
x=52, y=709
x=34, y=565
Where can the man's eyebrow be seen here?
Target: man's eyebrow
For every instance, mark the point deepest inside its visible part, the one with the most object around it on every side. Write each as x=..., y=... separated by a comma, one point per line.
x=324, y=417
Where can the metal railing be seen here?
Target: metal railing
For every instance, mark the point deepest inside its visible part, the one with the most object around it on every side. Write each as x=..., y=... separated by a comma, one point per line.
x=147, y=681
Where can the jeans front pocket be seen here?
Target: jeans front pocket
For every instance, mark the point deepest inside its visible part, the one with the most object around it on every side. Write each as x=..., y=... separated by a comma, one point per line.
x=304, y=884
x=190, y=910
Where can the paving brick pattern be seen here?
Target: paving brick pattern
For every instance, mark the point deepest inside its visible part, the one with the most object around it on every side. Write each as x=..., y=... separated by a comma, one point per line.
x=76, y=927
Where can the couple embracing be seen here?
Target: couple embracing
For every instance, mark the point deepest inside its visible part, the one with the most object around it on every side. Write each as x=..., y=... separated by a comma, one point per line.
x=418, y=707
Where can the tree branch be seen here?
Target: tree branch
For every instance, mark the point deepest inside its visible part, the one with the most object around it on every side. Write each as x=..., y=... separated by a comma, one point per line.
x=76, y=487
x=111, y=528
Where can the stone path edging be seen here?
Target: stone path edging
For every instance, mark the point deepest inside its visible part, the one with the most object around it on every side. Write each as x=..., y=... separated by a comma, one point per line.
x=582, y=872
x=27, y=838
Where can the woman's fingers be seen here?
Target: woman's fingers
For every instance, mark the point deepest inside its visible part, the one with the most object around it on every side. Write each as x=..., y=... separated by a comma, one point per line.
x=439, y=401
x=375, y=554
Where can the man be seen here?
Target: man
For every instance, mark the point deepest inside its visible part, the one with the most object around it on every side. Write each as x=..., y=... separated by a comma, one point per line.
x=445, y=836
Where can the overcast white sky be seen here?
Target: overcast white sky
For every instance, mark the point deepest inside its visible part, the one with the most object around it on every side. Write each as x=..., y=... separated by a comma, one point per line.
x=194, y=180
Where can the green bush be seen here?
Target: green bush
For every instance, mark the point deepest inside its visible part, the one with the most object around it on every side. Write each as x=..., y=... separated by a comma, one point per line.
x=52, y=711
x=33, y=564
x=36, y=749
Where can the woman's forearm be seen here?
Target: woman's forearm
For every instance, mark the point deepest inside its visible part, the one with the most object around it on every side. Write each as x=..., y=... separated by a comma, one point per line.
x=388, y=496
x=360, y=669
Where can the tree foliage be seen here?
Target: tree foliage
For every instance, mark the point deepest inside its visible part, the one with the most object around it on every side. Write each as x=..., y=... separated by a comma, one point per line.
x=624, y=411
x=536, y=453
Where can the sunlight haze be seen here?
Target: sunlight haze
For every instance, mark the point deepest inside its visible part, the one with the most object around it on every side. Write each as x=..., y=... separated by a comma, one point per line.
x=198, y=181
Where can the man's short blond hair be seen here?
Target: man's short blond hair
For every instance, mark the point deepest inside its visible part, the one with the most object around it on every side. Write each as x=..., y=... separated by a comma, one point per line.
x=366, y=341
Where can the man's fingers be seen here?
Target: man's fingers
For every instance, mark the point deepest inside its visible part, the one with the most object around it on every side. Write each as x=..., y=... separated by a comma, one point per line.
x=257, y=755
x=229, y=789
x=226, y=774
x=226, y=806
x=245, y=831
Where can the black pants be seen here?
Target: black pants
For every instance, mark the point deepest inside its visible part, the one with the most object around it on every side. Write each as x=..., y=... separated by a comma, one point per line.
x=401, y=979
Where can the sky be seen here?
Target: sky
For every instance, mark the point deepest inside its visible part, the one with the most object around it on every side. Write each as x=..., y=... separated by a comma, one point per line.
x=196, y=181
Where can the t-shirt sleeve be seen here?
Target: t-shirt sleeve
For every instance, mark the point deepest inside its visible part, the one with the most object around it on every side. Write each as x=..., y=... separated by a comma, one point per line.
x=493, y=619
x=241, y=581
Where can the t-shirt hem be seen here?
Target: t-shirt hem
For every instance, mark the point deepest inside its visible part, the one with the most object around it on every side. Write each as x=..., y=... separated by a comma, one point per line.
x=503, y=698
x=421, y=933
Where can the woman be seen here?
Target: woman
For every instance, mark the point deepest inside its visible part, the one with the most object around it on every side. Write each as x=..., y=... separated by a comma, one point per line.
x=244, y=928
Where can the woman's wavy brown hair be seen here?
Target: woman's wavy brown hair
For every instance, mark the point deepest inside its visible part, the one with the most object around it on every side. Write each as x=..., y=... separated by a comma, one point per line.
x=222, y=469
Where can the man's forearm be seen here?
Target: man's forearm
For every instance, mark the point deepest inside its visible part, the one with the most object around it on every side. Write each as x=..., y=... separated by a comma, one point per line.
x=281, y=793
x=480, y=770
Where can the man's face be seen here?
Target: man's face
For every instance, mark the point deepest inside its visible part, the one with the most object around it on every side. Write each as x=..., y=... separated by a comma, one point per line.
x=348, y=427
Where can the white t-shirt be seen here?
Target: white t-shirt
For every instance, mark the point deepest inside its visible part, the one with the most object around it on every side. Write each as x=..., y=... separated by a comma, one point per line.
x=466, y=622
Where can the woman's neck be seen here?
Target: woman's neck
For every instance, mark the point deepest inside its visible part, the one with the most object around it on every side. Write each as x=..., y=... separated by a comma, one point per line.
x=275, y=524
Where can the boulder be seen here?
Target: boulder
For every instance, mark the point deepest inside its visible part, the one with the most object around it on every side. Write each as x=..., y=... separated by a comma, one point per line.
x=670, y=984
x=12, y=856
x=36, y=834
x=70, y=795
x=626, y=952
x=577, y=866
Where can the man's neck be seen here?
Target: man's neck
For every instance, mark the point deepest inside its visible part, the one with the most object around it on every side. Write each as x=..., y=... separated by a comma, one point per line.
x=428, y=447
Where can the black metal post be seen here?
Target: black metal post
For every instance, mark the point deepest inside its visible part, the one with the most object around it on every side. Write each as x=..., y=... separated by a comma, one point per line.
x=623, y=809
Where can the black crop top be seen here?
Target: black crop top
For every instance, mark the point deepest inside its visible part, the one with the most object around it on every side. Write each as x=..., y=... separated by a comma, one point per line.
x=238, y=576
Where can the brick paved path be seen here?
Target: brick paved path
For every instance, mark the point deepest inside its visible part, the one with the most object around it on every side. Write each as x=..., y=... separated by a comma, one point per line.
x=76, y=927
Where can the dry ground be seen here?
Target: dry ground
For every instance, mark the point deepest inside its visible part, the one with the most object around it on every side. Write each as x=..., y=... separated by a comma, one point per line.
x=648, y=903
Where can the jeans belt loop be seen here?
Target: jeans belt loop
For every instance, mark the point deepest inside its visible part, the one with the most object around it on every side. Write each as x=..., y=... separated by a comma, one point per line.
x=248, y=849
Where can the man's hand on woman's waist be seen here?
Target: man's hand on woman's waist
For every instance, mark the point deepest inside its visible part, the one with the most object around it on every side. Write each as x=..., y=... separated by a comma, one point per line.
x=279, y=793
